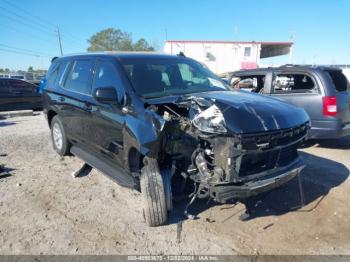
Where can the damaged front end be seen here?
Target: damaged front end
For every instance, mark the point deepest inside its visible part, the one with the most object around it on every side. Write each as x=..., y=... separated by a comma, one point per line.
x=209, y=159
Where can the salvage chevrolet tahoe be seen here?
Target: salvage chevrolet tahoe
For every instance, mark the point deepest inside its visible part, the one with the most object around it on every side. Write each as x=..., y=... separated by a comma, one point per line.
x=169, y=127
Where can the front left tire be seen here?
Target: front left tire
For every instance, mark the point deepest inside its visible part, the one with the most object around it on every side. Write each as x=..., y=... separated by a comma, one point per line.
x=153, y=193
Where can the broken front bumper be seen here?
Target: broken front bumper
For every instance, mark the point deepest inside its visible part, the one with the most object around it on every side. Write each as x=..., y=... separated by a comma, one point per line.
x=224, y=192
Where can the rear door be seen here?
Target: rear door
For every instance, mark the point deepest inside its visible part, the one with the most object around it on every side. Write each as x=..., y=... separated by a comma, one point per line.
x=300, y=89
x=75, y=98
x=340, y=84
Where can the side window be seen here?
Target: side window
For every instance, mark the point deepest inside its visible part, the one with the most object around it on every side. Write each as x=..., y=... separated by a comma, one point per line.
x=79, y=77
x=250, y=83
x=247, y=51
x=4, y=87
x=21, y=86
x=107, y=75
x=52, y=75
x=293, y=83
x=62, y=69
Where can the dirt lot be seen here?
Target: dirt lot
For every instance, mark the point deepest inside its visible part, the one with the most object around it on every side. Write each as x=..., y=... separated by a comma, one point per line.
x=44, y=210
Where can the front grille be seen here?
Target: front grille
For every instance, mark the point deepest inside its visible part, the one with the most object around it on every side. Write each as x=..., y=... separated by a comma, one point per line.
x=274, y=138
x=253, y=163
x=258, y=162
x=258, y=159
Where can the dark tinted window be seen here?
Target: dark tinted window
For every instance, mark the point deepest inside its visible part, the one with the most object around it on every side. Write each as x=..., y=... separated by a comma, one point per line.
x=17, y=86
x=107, y=76
x=79, y=77
x=4, y=87
x=293, y=83
x=56, y=73
x=52, y=75
x=62, y=69
x=340, y=81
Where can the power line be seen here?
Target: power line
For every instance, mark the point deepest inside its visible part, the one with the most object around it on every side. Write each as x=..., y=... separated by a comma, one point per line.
x=27, y=50
x=43, y=27
x=22, y=53
x=23, y=23
x=39, y=21
x=27, y=33
x=37, y=24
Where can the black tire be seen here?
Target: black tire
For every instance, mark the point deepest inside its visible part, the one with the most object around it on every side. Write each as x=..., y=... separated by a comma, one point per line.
x=62, y=150
x=152, y=190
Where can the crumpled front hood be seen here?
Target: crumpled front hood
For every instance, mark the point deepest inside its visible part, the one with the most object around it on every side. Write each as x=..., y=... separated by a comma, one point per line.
x=246, y=112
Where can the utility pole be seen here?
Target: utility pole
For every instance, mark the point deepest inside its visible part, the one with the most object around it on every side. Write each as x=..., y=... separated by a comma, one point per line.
x=291, y=49
x=59, y=40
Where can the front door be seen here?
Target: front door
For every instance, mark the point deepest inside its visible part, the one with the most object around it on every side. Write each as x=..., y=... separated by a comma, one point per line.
x=104, y=129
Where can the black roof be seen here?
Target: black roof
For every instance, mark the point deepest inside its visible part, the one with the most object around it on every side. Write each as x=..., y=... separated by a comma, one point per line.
x=120, y=55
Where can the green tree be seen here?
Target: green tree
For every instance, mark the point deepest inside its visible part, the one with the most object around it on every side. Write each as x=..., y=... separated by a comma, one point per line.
x=112, y=39
x=109, y=40
x=30, y=69
x=142, y=45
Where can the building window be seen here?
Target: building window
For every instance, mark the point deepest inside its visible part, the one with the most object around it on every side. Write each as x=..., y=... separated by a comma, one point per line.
x=247, y=51
x=208, y=54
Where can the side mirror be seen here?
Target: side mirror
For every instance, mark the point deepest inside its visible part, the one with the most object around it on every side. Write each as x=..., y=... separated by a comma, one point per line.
x=106, y=95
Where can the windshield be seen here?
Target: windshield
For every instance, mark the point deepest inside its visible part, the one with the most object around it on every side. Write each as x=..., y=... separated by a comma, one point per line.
x=157, y=77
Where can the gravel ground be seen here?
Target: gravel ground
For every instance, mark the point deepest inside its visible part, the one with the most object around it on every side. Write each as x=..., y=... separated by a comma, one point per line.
x=44, y=210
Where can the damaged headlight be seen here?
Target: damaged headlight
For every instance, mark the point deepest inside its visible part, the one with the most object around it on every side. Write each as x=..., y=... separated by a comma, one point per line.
x=210, y=120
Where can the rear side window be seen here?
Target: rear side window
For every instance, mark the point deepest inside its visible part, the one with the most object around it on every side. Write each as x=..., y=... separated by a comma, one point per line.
x=107, y=76
x=56, y=73
x=21, y=86
x=79, y=77
x=4, y=87
x=249, y=83
x=340, y=81
x=293, y=83
x=52, y=75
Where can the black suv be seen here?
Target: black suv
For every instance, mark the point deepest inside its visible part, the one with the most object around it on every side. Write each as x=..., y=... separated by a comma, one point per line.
x=323, y=92
x=170, y=128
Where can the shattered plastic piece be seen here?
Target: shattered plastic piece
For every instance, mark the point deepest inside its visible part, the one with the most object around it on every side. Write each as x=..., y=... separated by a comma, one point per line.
x=210, y=120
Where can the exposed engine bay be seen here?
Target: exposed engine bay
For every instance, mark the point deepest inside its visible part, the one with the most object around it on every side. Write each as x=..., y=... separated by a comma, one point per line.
x=205, y=156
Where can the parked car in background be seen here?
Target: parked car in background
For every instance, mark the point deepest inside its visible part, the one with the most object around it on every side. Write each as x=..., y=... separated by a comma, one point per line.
x=323, y=92
x=167, y=126
x=17, y=94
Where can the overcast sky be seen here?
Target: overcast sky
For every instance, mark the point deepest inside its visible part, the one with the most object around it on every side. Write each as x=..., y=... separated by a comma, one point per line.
x=320, y=29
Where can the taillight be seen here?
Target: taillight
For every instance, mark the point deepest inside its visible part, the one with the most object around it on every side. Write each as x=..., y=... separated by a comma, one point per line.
x=329, y=106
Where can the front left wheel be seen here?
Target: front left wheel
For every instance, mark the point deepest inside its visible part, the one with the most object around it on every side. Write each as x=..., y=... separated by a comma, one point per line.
x=153, y=193
x=59, y=138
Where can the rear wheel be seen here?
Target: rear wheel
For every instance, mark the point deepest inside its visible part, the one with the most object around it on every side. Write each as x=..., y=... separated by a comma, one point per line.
x=152, y=189
x=59, y=138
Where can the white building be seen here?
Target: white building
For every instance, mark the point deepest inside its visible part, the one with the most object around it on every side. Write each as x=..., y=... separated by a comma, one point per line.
x=228, y=56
